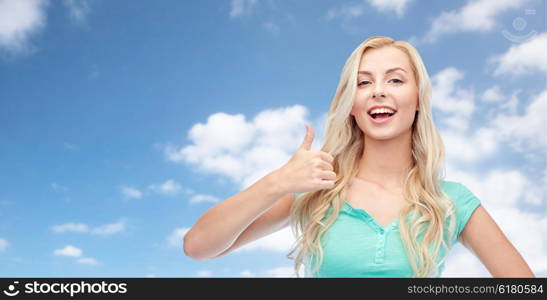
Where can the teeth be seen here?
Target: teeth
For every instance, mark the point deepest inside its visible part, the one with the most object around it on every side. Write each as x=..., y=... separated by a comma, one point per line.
x=382, y=110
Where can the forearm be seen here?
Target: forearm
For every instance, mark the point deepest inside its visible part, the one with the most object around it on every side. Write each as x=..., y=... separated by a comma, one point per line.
x=512, y=264
x=220, y=226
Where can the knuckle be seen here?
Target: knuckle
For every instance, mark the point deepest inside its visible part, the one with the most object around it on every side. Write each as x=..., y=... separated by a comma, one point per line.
x=328, y=156
x=316, y=162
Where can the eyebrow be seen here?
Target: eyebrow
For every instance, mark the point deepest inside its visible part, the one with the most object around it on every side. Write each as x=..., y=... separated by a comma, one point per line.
x=387, y=72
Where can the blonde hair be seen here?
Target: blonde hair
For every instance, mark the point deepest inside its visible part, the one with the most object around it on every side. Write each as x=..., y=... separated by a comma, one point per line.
x=345, y=142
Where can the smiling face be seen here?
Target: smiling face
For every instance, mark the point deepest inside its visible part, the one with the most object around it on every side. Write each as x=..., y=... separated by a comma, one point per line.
x=386, y=98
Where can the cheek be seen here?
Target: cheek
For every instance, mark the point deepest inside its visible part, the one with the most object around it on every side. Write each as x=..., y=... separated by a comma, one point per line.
x=358, y=104
x=407, y=99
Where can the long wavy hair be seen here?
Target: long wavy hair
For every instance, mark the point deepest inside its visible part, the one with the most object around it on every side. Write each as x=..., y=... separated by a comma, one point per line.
x=422, y=222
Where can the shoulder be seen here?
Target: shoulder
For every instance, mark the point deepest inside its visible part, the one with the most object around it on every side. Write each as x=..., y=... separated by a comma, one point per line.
x=451, y=188
x=458, y=192
x=464, y=200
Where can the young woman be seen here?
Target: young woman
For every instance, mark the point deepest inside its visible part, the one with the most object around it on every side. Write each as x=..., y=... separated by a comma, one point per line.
x=372, y=202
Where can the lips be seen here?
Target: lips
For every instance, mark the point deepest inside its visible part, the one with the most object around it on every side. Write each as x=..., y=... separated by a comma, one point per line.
x=381, y=118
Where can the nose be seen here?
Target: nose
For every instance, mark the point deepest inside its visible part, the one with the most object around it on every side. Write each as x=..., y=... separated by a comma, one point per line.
x=378, y=91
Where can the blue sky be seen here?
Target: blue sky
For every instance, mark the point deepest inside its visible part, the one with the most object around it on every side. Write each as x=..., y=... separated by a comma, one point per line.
x=122, y=122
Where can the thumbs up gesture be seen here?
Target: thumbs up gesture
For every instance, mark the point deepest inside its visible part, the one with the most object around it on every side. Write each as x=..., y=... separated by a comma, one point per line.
x=308, y=170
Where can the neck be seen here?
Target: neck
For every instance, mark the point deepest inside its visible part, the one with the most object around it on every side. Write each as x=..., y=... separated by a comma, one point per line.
x=386, y=162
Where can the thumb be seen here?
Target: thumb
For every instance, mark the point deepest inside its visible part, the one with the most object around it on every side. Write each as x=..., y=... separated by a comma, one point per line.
x=308, y=139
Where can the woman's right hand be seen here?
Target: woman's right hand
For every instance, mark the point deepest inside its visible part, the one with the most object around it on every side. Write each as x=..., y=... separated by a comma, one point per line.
x=307, y=170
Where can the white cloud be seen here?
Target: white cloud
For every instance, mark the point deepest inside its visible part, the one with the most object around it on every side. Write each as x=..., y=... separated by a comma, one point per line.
x=492, y=94
x=222, y=133
x=453, y=103
x=204, y=273
x=523, y=58
x=478, y=16
x=346, y=11
x=281, y=272
x=271, y=27
x=454, y=108
x=510, y=104
x=349, y=11
x=108, y=229
x=241, y=7
x=78, y=9
x=496, y=101
x=131, y=192
x=175, y=239
x=279, y=241
x=4, y=244
x=526, y=131
x=105, y=230
x=87, y=261
x=19, y=21
x=247, y=273
x=244, y=151
x=69, y=250
x=170, y=187
x=501, y=188
x=75, y=252
x=70, y=227
x=523, y=132
x=199, y=198
x=461, y=263
x=397, y=6
x=470, y=147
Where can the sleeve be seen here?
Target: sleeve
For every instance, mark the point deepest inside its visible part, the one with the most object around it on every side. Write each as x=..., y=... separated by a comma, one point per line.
x=466, y=203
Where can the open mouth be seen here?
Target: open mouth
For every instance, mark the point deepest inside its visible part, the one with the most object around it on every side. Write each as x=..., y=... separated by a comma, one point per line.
x=380, y=116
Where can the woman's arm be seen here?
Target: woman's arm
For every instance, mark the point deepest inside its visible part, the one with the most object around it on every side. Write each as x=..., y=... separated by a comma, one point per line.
x=274, y=219
x=484, y=238
x=220, y=226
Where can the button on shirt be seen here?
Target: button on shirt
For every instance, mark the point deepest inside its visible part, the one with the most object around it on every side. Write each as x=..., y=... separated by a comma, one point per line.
x=355, y=245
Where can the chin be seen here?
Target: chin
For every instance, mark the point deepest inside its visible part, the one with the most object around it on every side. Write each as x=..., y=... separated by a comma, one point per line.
x=382, y=135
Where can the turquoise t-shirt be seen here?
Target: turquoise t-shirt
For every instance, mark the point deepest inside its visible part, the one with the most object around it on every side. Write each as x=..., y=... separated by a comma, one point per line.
x=357, y=246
